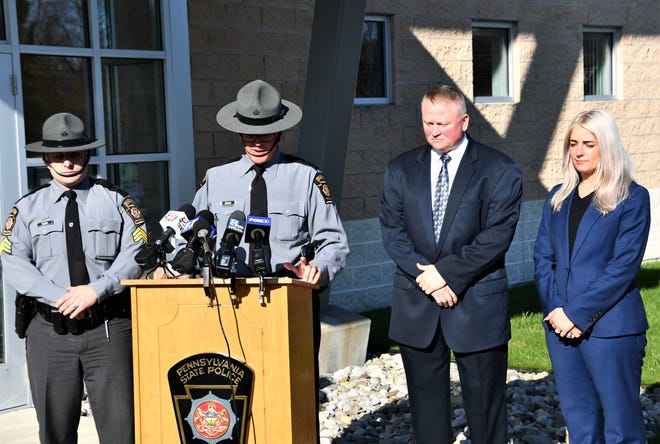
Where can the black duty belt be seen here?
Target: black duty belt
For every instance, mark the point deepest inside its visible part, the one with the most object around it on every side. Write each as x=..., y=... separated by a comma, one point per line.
x=117, y=306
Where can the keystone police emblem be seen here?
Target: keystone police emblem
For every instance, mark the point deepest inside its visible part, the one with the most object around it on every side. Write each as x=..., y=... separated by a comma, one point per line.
x=211, y=419
x=211, y=394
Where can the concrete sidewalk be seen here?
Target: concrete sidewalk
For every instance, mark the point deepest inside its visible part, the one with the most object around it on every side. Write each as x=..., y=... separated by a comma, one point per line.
x=20, y=427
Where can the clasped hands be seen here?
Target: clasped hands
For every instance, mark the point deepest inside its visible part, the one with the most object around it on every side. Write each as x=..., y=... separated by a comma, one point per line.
x=434, y=285
x=77, y=301
x=562, y=325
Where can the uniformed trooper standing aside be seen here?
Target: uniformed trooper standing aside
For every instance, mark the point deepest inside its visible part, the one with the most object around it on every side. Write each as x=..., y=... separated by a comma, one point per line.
x=76, y=332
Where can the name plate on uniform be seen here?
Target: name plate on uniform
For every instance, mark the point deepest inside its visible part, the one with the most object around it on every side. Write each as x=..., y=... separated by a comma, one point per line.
x=212, y=394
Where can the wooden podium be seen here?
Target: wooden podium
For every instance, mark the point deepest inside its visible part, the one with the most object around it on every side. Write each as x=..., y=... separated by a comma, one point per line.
x=173, y=319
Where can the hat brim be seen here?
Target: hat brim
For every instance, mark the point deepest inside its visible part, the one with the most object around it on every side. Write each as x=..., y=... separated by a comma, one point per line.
x=38, y=147
x=227, y=119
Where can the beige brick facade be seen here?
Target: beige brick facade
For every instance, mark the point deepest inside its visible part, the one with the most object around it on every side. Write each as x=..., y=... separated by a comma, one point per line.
x=234, y=42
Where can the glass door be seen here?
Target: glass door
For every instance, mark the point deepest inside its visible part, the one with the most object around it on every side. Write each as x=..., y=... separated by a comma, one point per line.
x=14, y=389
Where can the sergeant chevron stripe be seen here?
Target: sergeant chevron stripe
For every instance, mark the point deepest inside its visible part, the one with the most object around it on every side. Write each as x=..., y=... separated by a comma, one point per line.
x=140, y=235
x=5, y=246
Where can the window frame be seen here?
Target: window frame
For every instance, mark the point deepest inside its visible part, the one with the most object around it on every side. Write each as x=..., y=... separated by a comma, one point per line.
x=510, y=27
x=387, y=65
x=614, y=39
x=177, y=98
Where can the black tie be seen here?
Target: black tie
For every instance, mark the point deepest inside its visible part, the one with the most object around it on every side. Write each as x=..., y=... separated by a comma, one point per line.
x=74, y=247
x=258, y=193
x=259, y=207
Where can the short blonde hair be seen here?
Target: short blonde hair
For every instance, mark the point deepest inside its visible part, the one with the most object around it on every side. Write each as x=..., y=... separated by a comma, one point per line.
x=446, y=92
x=615, y=171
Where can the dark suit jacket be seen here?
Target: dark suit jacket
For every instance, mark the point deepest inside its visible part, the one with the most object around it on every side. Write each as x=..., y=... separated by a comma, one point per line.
x=596, y=284
x=480, y=221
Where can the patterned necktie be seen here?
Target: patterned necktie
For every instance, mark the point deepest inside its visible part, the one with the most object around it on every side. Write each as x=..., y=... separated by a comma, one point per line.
x=74, y=247
x=440, y=197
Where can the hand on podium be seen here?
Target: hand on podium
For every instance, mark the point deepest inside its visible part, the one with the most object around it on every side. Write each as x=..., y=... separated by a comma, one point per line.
x=169, y=273
x=308, y=272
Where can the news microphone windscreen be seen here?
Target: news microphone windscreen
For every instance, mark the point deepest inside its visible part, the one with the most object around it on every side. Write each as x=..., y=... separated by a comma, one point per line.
x=235, y=224
x=184, y=261
x=257, y=229
x=189, y=210
x=258, y=220
x=177, y=220
x=207, y=215
x=188, y=230
x=201, y=224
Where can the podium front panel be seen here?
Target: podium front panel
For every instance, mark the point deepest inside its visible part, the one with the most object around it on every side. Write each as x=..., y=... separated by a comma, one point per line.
x=173, y=319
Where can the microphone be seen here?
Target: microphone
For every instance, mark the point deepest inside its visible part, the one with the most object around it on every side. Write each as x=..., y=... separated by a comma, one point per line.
x=172, y=223
x=202, y=230
x=256, y=233
x=185, y=261
x=188, y=230
x=231, y=237
x=152, y=254
x=148, y=256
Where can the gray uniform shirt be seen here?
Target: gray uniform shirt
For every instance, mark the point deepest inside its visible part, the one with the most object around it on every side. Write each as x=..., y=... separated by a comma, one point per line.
x=299, y=204
x=33, y=246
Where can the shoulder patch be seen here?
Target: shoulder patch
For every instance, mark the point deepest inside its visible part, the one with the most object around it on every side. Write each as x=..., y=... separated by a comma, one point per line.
x=131, y=208
x=322, y=185
x=11, y=221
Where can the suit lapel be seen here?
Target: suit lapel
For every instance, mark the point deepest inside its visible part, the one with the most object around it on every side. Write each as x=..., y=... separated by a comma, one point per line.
x=589, y=218
x=560, y=228
x=466, y=170
x=423, y=187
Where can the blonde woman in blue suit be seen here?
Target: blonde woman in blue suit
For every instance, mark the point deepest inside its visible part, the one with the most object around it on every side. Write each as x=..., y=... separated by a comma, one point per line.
x=590, y=245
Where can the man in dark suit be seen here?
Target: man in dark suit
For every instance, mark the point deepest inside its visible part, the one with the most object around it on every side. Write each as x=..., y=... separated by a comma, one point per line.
x=448, y=215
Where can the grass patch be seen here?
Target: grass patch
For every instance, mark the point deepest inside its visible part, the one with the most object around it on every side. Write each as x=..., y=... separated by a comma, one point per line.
x=527, y=348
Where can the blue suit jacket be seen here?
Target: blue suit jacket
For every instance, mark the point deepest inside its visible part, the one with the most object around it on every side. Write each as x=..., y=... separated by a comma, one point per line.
x=480, y=221
x=595, y=285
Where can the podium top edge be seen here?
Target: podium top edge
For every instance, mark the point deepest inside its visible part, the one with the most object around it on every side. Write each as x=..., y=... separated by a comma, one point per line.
x=218, y=282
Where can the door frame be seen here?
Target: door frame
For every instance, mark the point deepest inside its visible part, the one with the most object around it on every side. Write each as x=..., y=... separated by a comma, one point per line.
x=14, y=386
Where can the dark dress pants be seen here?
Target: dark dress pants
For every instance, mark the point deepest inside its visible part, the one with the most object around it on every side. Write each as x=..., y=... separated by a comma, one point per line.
x=483, y=387
x=59, y=366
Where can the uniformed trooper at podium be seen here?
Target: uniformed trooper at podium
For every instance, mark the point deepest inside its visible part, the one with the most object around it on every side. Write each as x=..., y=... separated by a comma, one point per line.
x=65, y=248
x=295, y=193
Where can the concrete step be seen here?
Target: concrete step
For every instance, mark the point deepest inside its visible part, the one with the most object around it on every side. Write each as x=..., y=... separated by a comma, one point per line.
x=344, y=338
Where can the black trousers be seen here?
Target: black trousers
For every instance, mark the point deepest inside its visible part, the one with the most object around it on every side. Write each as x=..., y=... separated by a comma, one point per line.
x=483, y=387
x=60, y=366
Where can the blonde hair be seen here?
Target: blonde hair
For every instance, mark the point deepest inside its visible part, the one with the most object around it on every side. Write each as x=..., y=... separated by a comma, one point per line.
x=446, y=92
x=615, y=171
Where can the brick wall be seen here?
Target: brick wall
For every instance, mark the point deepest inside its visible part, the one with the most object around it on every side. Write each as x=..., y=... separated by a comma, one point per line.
x=233, y=42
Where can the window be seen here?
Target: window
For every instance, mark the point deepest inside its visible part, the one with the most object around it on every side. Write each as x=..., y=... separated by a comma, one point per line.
x=104, y=61
x=598, y=53
x=3, y=31
x=492, y=61
x=373, y=78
